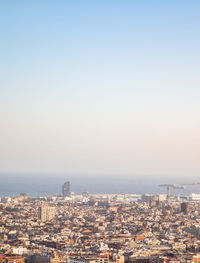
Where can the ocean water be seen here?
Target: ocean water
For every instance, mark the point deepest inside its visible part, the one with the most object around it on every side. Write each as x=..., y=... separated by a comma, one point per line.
x=51, y=184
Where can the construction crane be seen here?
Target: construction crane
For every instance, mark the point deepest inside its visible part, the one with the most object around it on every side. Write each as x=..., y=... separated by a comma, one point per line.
x=169, y=186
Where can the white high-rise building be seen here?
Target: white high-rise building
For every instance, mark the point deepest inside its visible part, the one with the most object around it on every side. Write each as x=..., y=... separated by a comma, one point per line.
x=46, y=212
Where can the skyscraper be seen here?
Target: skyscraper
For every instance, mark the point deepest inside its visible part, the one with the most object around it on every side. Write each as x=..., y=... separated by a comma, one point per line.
x=66, y=189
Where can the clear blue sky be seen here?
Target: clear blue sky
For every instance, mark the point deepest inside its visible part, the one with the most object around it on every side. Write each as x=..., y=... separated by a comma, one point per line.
x=100, y=86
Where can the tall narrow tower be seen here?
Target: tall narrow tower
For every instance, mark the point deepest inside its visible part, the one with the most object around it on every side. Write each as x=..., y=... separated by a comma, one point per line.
x=66, y=189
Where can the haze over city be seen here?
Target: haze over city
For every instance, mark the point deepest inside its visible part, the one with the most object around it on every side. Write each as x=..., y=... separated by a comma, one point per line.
x=99, y=131
x=100, y=87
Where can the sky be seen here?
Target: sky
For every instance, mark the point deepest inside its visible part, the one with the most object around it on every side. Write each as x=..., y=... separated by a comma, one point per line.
x=100, y=87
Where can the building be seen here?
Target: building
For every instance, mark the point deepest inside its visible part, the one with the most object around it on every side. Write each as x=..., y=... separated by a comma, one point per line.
x=89, y=260
x=66, y=191
x=194, y=197
x=46, y=212
x=184, y=208
x=11, y=259
x=37, y=259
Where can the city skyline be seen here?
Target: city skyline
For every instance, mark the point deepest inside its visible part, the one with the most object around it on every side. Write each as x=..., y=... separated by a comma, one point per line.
x=99, y=131
x=104, y=87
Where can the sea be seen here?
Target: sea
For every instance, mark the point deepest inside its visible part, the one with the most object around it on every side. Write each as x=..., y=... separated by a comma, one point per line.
x=51, y=184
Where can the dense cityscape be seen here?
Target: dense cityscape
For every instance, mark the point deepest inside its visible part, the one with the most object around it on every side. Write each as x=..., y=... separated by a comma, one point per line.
x=100, y=228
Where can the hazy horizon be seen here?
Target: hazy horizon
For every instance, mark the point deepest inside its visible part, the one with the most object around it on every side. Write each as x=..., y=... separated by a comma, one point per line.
x=50, y=184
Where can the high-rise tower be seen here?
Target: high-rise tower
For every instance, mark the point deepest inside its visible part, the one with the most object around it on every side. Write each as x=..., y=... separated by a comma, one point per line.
x=66, y=189
x=46, y=213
